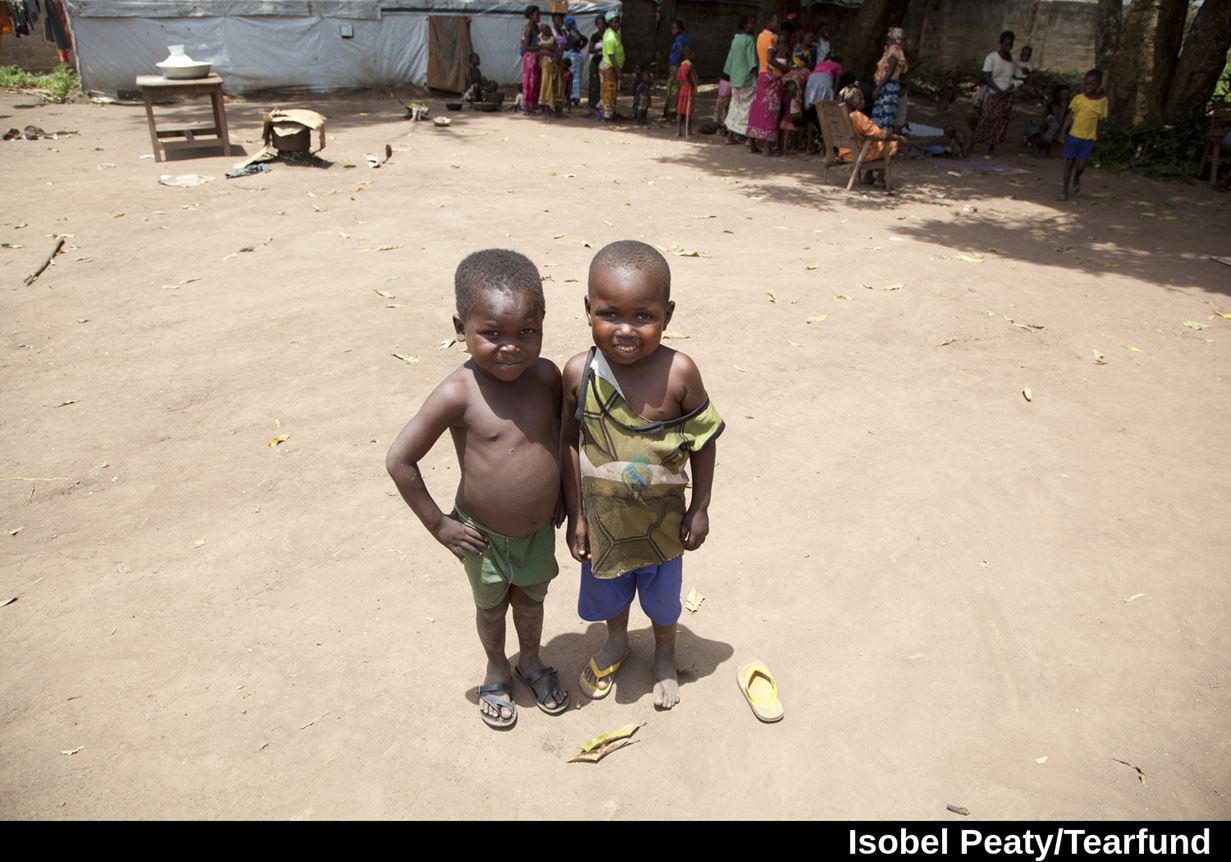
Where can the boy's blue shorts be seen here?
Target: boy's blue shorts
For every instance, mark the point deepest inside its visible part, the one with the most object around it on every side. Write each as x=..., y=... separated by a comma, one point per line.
x=1078, y=148
x=659, y=587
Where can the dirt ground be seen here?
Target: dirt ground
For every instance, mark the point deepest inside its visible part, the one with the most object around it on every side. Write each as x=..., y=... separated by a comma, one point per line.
x=968, y=597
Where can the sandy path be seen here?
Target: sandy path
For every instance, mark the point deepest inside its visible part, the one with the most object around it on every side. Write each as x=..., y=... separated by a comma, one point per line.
x=938, y=570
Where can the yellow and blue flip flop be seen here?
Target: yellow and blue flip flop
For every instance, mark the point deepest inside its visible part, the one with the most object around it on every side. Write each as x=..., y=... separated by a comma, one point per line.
x=760, y=690
x=592, y=689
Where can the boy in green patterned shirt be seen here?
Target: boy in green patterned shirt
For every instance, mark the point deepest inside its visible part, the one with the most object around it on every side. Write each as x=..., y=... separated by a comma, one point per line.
x=634, y=414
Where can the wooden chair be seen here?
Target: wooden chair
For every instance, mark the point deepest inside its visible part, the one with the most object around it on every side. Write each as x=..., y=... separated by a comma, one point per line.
x=837, y=133
x=1220, y=124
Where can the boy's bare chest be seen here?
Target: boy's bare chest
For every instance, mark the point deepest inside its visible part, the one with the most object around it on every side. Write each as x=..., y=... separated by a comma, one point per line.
x=510, y=421
x=658, y=403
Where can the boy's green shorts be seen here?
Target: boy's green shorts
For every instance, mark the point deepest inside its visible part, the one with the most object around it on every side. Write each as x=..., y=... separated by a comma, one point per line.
x=527, y=562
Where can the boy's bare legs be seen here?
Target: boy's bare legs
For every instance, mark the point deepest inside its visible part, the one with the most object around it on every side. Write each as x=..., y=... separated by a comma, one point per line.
x=616, y=647
x=528, y=621
x=490, y=624
x=1068, y=177
x=666, y=686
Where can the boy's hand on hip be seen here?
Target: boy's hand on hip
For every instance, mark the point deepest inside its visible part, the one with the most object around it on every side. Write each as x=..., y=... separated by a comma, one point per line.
x=694, y=529
x=578, y=540
x=459, y=538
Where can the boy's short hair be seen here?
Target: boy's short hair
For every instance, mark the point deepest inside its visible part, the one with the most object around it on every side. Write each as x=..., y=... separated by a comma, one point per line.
x=496, y=269
x=631, y=254
x=1097, y=74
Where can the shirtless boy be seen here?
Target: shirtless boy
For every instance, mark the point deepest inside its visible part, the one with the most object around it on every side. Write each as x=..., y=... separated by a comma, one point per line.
x=502, y=409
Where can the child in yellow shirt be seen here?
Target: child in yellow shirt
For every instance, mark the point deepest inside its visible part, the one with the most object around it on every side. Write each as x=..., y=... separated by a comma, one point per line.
x=1087, y=110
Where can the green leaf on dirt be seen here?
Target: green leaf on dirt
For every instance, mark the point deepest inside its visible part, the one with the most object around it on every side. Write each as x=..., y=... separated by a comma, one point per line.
x=594, y=750
x=1192, y=324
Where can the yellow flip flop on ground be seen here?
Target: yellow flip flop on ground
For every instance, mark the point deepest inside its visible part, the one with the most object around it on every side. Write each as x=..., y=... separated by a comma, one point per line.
x=760, y=690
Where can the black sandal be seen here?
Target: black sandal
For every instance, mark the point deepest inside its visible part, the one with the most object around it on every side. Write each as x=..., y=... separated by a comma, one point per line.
x=487, y=694
x=554, y=678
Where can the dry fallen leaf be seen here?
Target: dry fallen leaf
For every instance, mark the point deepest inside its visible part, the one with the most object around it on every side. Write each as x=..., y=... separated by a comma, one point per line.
x=773, y=297
x=810, y=266
x=694, y=600
x=670, y=334
x=897, y=285
x=410, y=360
x=1099, y=359
x=386, y=294
x=18, y=530
x=198, y=543
x=1192, y=324
x=447, y=343
x=68, y=402
x=948, y=341
x=1027, y=394
x=818, y=318
x=958, y=809
x=1224, y=315
x=841, y=296
x=71, y=751
x=281, y=438
x=387, y=247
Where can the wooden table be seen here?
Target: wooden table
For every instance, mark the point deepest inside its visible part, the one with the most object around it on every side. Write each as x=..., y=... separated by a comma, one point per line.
x=210, y=85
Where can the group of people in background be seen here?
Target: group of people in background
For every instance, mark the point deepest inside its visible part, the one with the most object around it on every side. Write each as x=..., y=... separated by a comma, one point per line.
x=772, y=83
x=555, y=58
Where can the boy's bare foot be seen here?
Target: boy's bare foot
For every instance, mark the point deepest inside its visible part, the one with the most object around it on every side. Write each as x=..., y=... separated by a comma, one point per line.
x=667, y=688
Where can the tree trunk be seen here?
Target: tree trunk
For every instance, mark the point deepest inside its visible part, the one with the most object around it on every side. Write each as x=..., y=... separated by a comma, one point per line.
x=1149, y=45
x=1107, y=34
x=866, y=37
x=1201, y=61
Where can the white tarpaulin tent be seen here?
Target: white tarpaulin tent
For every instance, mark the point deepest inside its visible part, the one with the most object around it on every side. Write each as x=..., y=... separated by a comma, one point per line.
x=295, y=44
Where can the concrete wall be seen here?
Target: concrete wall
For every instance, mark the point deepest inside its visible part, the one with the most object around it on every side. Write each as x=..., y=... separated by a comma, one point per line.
x=944, y=34
x=32, y=52
x=941, y=34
